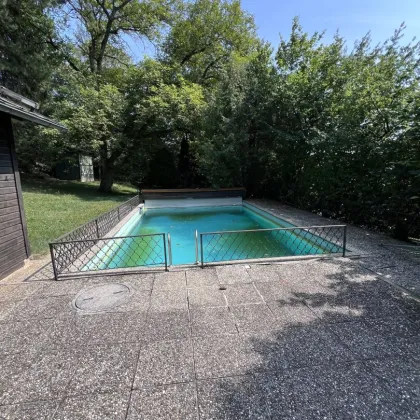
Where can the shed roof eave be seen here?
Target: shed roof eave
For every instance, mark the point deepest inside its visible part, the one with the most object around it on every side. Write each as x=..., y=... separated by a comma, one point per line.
x=23, y=114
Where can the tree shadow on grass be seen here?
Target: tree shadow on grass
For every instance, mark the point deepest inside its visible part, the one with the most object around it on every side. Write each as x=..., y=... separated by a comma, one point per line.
x=344, y=345
x=84, y=190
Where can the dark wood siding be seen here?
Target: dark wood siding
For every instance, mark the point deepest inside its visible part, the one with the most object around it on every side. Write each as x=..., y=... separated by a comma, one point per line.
x=14, y=246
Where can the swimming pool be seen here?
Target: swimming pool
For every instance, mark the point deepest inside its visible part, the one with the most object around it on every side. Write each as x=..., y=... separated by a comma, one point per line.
x=225, y=233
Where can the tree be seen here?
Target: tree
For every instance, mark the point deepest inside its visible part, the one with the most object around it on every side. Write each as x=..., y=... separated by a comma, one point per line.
x=322, y=128
x=163, y=108
x=96, y=50
x=238, y=124
x=205, y=36
x=26, y=61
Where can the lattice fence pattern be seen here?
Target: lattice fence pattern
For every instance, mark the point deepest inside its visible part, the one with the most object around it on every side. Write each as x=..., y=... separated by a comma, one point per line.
x=68, y=248
x=272, y=243
x=109, y=253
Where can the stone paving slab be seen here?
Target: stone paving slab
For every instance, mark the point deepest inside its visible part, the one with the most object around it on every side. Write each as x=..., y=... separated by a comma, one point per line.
x=104, y=368
x=396, y=329
x=162, y=326
x=412, y=349
x=231, y=398
x=376, y=249
x=168, y=300
x=333, y=310
x=328, y=340
x=202, y=297
x=165, y=362
x=232, y=274
x=42, y=308
x=311, y=271
x=44, y=377
x=277, y=291
x=303, y=289
x=278, y=390
x=400, y=373
x=403, y=274
x=8, y=309
x=220, y=356
x=242, y=294
x=140, y=302
x=115, y=327
x=265, y=351
x=21, y=291
x=363, y=341
x=42, y=410
x=176, y=401
x=12, y=367
x=311, y=346
x=297, y=314
x=64, y=287
x=254, y=317
x=7, y=291
x=18, y=336
x=379, y=308
x=170, y=281
x=202, y=278
x=263, y=273
x=67, y=332
x=346, y=391
x=143, y=281
x=110, y=406
x=212, y=321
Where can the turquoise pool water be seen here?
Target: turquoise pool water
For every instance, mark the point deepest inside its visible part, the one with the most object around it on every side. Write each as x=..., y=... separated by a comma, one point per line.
x=182, y=223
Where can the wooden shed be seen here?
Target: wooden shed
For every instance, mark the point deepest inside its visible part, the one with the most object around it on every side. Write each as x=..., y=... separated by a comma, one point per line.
x=77, y=167
x=14, y=243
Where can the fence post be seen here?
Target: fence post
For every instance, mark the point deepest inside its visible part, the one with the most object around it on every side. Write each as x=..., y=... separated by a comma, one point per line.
x=118, y=210
x=344, y=240
x=201, y=246
x=164, y=251
x=53, y=262
x=196, y=246
x=97, y=228
x=169, y=249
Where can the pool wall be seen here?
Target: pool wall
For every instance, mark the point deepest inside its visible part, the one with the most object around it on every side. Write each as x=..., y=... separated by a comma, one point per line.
x=266, y=215
x=192, y=202
x=292, y=243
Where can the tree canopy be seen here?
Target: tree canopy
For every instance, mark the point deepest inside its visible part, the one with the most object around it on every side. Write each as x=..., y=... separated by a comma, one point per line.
x=316, y=124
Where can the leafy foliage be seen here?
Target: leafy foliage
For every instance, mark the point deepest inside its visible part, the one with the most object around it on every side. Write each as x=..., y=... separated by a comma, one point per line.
x=324, y=129
x=311, y=123
x=26, y=62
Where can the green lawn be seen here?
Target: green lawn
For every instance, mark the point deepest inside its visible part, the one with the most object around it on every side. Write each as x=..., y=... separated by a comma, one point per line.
x=56, y=207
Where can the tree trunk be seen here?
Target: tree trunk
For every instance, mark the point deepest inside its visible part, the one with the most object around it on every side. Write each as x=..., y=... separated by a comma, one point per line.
x=107, y=177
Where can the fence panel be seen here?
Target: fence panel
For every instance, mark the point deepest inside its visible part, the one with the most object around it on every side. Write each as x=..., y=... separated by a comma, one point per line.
x=108, y=253
x=79, y=240
x=272, y=243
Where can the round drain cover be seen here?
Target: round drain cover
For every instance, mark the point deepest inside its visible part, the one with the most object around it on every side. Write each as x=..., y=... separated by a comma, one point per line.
x=102, y=297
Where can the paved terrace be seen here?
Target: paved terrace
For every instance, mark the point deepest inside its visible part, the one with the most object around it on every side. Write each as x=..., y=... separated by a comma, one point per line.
x=315, y=339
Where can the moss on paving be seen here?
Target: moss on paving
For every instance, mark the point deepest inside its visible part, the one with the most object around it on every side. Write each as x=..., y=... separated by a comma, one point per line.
x=55, y=207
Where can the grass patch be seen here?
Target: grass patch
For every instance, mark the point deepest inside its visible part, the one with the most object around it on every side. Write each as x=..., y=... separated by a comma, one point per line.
x=55, y=207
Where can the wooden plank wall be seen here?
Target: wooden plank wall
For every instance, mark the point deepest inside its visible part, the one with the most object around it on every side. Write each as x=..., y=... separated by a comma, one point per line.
x=14, y=246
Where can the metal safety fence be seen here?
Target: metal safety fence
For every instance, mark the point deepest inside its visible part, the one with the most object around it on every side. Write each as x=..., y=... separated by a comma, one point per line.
x=101, y=225
x=77, y=241
x=90, y=248
x=121, y=252
x=272, y=243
